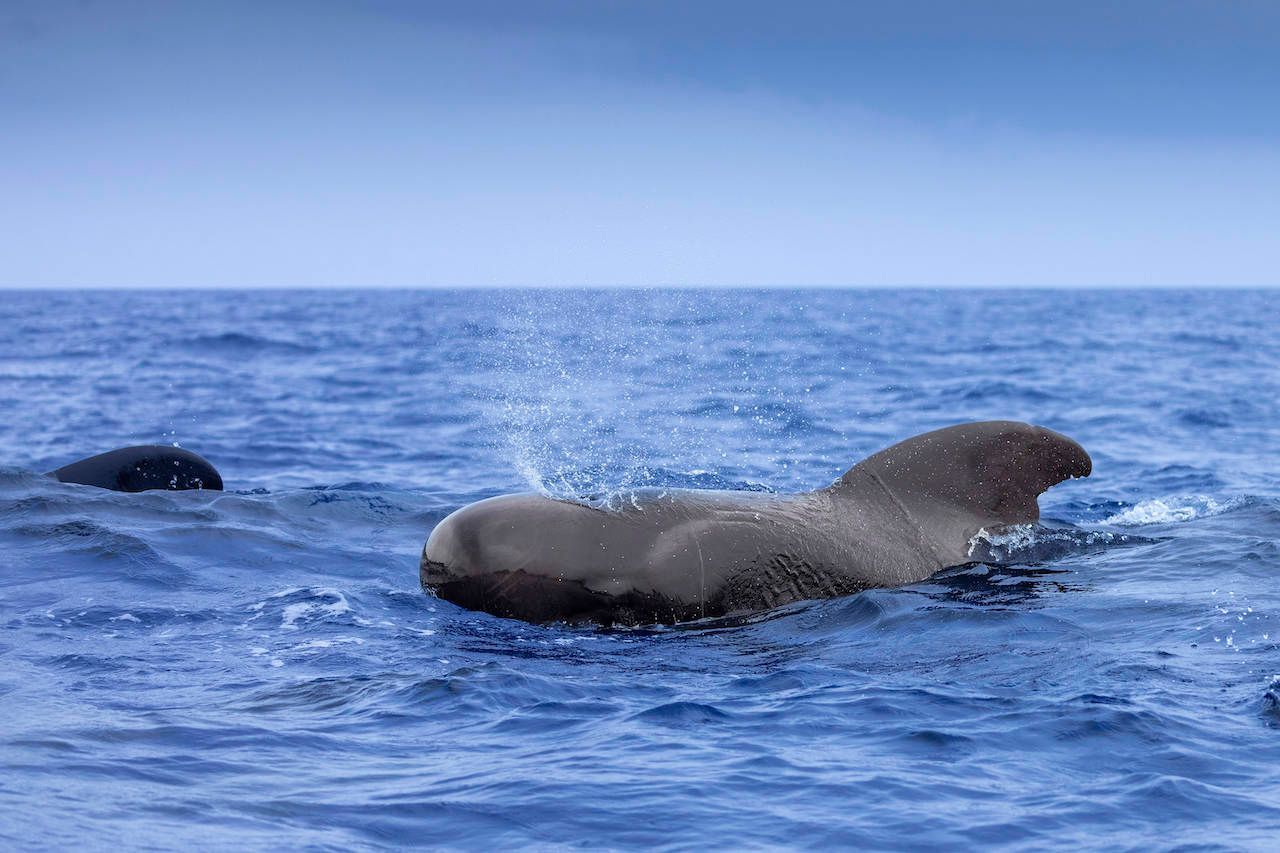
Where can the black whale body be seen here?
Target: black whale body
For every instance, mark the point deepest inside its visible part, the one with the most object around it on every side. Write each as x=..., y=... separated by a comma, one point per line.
x=895, y=518
x=138, y=469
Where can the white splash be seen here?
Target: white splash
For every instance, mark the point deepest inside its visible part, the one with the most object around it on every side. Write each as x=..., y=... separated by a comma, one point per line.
x=1011, y=538
x=1036, y=542
x=1172, y=510
x=589, y=417
x=314, y=645
x=321, y=607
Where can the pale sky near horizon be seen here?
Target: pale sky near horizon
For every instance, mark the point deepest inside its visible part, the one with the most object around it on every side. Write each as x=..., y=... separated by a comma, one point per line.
x=492, y=142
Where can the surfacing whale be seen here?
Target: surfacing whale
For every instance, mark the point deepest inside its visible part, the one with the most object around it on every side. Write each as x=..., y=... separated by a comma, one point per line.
x=895, y=518
x=137, y=469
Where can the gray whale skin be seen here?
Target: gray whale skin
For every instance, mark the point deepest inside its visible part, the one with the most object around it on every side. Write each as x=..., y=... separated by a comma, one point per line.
x=895, y=518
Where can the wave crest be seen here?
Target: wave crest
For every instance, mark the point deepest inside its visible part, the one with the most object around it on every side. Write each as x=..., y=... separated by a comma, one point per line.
x=1038, y=543
x=1172, y=510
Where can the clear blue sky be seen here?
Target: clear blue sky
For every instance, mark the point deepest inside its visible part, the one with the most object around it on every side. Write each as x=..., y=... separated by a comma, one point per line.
x=637, y=143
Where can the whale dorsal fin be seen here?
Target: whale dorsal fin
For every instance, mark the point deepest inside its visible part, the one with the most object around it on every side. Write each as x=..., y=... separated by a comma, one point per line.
x=952, y=482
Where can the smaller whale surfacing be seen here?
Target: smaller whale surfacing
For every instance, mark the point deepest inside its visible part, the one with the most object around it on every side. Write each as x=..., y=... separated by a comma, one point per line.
x=141, y=468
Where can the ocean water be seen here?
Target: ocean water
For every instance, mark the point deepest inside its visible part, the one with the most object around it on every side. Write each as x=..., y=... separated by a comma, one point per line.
x=260, y=668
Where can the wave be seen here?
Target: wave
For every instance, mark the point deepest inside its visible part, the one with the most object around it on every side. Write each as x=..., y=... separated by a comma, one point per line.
x=1039, y=543
x=303, y=604
x=1174, y=510
x=239, y=342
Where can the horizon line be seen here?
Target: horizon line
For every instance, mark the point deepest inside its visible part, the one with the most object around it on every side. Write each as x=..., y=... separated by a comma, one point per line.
x=599, y=286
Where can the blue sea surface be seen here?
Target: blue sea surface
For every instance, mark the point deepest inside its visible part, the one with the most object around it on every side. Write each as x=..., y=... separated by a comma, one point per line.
x=260, y=668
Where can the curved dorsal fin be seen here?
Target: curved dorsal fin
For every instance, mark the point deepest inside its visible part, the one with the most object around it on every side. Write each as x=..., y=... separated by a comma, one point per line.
x=952, y=482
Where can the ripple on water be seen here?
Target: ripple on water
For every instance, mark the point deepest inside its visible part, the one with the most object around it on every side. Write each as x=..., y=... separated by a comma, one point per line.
x=261, y=669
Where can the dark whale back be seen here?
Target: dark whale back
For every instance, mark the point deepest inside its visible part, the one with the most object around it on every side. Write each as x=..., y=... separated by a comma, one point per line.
x=137, y=469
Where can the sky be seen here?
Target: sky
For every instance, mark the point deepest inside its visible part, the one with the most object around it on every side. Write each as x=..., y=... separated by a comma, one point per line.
x=601, y=142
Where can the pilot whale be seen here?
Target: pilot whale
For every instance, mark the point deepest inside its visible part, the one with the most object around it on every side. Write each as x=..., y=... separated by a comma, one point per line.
x=137, y=469
x=895, y=518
